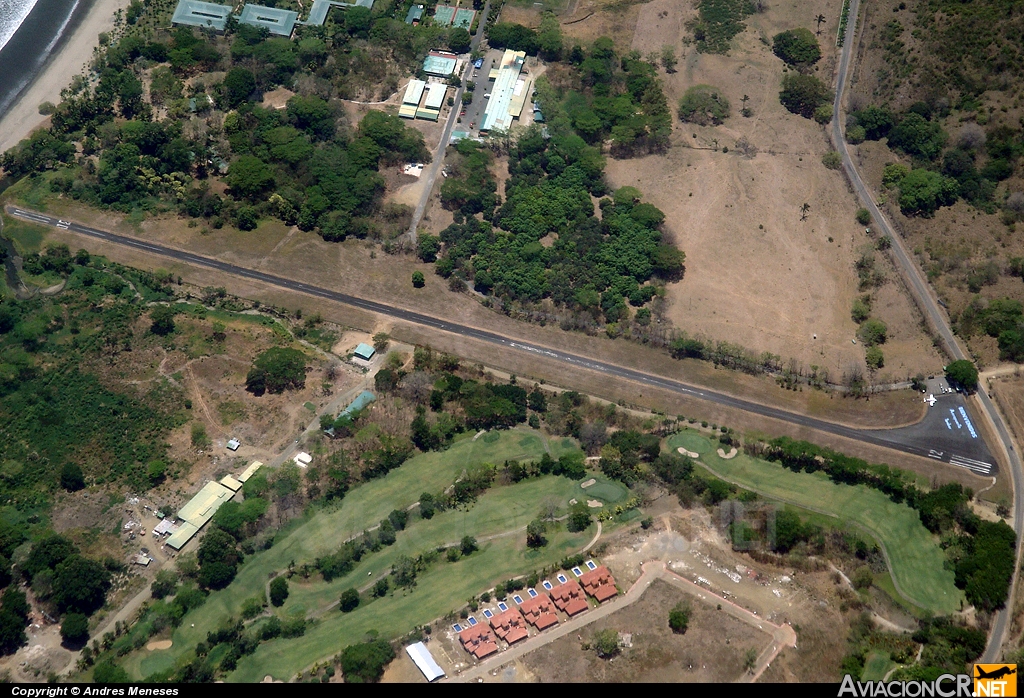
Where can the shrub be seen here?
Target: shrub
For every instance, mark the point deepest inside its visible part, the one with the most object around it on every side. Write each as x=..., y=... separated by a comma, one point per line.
x=606, y=643
x=832, y=160
x=349, y=600
x=277, y=370
x=417, y=279
x=874, y=357
x=863, y=216
x=679, y=618
x=75, y=628
x=923, y=192
x=704, y=105
x=803, y=94
x=796, y=47
x=823, y=114
x=278, y=591
x=873, y=332
x=855, y=135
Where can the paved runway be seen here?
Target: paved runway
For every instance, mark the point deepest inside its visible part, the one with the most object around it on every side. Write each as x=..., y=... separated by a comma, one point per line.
x=932, y=438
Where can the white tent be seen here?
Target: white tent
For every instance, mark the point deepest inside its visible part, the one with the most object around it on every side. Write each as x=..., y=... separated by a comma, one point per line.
x=420, y=655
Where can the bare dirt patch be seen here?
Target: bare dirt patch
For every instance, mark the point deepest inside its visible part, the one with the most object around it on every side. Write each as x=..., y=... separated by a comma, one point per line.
x=277, y=99
x=757, y=275
x=711, y=650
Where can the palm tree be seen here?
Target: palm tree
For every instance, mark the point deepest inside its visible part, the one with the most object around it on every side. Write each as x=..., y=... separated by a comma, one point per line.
x=803, y=211
x=819, y=19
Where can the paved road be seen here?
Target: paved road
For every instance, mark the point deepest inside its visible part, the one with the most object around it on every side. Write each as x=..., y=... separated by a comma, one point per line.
x=912, y=442
x=430, y=173
x=930, y=307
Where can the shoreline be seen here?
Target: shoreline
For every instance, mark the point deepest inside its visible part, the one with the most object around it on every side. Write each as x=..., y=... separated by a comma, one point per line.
x=68, y=60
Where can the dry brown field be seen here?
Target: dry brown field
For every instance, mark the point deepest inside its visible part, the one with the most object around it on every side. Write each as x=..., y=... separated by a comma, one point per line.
x=757, y=275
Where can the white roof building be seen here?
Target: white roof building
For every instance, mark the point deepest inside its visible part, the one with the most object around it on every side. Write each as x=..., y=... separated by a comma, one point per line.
x=423, y=660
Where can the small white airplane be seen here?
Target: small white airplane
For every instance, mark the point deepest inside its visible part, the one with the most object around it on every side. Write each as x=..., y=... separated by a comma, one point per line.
x=930, y=400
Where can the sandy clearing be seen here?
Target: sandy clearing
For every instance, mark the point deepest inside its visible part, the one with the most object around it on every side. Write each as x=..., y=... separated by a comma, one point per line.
x=23, y=117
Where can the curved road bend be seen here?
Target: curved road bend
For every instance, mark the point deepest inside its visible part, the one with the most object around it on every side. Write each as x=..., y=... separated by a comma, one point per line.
x=928, y=305
x=890, y=439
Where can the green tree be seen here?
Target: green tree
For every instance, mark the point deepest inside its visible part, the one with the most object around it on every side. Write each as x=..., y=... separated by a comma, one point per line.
x=417, y=279
x=71, y=477
x=579, y=517
x=249, y=177
x=606, y=643
x=276, y=370
x=74, y=630
x=797, y=47
x=924, y=192
x=803, y=94
x=916, y=135
x=47, y=553
x=535, y=534
x=80, y=585
x=162, y=317
x=872, y=332
x=238, y=85
x=164, y=584
x=679, y=618
x=278, y=591
x=963, y=373
x=549, y=37
x=704, y=105
x=358, y=21
x=108, y=672
x=789, y=530
x=458, y=40
x=863, y=216
x=468, y=545
x=349, y=600
x=365, y=662
x=874, y=357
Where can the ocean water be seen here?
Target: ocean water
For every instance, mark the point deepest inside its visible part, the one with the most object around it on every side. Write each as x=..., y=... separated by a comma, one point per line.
x=12, y=14
x=30, y=32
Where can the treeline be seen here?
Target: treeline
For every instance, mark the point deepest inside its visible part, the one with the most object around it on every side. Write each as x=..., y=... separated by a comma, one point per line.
x=1001, y=318
x=982, y=552
x=970, y=167
x=550, y=245
x=299, y=164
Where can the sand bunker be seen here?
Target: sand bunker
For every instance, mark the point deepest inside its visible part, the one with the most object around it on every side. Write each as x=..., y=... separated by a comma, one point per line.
x=594, y=504
x=691, y=454
x=727, y=456
x=589, y=483
x=159, y=645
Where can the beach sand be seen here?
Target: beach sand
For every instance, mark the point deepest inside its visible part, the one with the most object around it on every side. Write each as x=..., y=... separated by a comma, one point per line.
x=23, y=117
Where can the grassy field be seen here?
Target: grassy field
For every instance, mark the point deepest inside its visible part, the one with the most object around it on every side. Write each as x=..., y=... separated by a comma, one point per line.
x=324, y=531
x=876, y=666
x=27, y=237
x=914, y=554
x=442, y=589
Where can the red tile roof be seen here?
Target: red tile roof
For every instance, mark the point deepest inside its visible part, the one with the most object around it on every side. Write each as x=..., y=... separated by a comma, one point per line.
x=566, y=593
x=599, y=583
x=533, y=609
x=516, y=634
x=507, y=623
x=485, y=649
x=576, y=606
x=478, y=641
x=546, y=621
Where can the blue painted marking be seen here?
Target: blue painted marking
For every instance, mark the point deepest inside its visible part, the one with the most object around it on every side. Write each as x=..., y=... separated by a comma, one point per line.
x=967, y=421
x=948, y=425
x=955, y=420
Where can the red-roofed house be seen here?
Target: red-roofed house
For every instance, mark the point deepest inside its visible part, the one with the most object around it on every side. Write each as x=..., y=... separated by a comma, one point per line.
x=600, y=584
x=539, y=612
x=510, y=626
x=478, y=641
x=569, y=597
